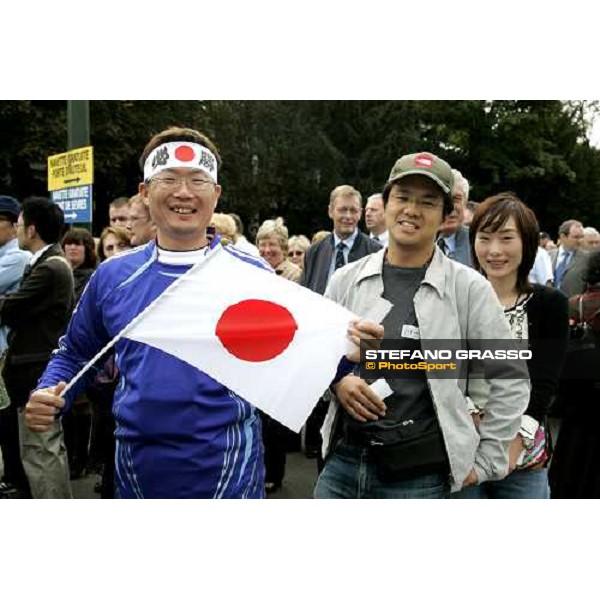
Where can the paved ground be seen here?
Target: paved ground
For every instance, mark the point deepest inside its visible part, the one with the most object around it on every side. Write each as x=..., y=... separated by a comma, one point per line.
x=301, y=474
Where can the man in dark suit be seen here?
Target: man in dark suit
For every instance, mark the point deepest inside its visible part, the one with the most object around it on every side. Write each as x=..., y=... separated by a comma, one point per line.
x=37, y=314
x=569, y=261
x=453, y=240
x=345, y=245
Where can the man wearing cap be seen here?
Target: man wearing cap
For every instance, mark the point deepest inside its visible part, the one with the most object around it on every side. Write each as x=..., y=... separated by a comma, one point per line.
x=13, y=261
x=37, y=314
x=179, y=432
x=453, y=239
x=421, y=442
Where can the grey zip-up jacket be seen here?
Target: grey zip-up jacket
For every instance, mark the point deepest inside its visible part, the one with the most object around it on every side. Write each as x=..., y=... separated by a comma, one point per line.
x=452, y=302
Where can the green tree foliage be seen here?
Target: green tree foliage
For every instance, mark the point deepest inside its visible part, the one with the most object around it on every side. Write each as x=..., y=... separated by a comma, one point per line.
x=284, y=157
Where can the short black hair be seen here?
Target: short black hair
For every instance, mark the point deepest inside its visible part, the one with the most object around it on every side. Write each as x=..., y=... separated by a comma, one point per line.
x=45, y=215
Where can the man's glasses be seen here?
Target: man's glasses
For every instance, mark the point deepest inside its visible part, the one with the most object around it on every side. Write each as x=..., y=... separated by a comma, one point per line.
x=196, y=184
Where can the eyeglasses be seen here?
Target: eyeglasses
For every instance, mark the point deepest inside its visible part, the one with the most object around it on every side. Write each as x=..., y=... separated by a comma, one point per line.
x=196, y=184
x=295, y=253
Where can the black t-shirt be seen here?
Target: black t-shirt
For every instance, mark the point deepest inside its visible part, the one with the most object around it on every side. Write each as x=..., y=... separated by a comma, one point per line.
x=410, y=406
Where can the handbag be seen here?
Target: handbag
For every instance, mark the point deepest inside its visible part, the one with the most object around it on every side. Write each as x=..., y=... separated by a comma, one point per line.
x=581, y=334
x=540, y=452
x=581, y=362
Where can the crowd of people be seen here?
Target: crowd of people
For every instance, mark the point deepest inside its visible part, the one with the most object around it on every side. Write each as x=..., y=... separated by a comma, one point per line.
x=429, y=265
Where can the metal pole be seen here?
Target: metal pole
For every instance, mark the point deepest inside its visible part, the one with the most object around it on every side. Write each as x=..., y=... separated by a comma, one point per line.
x=78, y=131
x=78, y=123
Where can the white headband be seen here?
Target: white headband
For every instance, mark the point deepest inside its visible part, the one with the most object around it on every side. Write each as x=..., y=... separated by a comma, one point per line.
x=174, y=155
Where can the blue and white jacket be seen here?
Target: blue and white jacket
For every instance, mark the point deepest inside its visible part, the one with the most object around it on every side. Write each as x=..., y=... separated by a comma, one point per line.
x=179, y=433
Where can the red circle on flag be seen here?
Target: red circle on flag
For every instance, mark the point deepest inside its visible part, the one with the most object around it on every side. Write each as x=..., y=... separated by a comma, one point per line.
x=256, y=330
x=184, y=153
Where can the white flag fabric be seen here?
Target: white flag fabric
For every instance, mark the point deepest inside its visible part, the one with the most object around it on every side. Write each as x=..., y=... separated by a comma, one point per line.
x=271, y=341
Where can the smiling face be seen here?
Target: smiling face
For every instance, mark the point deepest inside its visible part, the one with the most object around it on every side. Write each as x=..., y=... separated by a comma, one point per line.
x=270, y=249
x=345, y=212
x=413, y=215
x=500, y=252
x=180, y=212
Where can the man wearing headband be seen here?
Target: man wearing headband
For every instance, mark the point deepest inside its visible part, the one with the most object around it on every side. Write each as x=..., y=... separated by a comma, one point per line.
x=179, y=433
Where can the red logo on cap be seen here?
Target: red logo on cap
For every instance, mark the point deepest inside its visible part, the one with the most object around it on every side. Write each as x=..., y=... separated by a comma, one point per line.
x=423, y=160
x=184, y=153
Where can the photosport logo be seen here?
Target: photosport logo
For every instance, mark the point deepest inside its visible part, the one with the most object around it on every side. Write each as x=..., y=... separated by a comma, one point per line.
x=446, y=359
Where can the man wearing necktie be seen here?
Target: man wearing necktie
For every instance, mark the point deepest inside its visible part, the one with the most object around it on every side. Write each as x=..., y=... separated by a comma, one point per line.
x=375, y=219
x=569, y=261
x=340, y=258
x=344, y=245
x=453, y=239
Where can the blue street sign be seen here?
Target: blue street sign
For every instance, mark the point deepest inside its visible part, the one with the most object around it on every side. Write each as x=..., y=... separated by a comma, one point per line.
x=75, y=202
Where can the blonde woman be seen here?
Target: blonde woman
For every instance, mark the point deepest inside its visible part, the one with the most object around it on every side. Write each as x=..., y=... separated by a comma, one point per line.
x=297, y=247
x=272, y=242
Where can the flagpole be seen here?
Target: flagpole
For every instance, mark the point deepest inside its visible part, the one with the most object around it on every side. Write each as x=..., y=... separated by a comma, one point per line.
x=138, y=318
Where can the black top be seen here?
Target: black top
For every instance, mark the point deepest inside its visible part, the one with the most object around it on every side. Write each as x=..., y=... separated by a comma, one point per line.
x=81, y=276
x=548, y=331
x=39, y=311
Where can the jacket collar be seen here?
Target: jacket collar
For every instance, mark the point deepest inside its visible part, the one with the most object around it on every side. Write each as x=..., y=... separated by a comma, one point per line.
x=435, y=276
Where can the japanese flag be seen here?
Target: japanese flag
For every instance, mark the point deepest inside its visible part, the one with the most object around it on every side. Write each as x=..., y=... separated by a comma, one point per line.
x=269, y=340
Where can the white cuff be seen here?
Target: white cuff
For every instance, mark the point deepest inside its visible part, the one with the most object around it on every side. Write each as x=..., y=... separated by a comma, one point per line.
x=529, y=427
